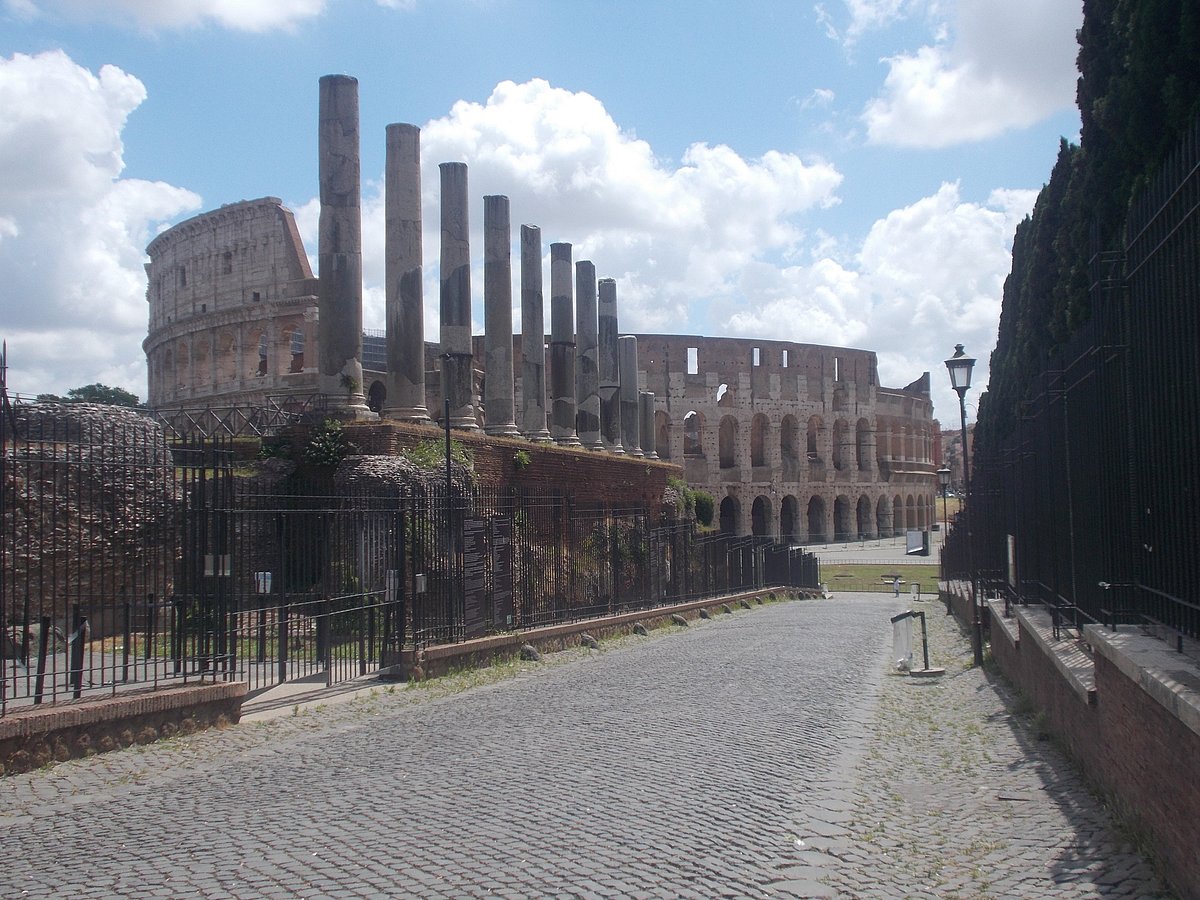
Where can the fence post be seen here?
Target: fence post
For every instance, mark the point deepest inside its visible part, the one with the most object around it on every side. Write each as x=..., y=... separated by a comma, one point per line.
x=128, y=640
x=43, y=640
x=79, y=626
x=282, y=642
x=151, y=616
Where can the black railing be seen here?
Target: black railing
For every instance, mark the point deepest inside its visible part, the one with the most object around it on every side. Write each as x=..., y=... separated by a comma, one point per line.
x=1097, y=486
x=134, y=558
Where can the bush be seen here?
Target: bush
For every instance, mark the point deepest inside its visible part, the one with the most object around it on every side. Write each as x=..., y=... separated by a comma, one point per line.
x=705, y=506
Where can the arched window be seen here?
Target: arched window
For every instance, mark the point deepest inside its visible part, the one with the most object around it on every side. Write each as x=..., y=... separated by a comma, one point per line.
x=727, y=444
x=297, y=351
x=693, y=430
x=758, y=440
x=839, y=442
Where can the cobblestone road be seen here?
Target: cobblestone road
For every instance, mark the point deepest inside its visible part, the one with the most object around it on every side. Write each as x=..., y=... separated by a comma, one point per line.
x=763, y=753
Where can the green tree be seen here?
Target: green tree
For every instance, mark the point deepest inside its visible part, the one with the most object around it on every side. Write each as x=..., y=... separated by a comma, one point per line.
x=95, y=393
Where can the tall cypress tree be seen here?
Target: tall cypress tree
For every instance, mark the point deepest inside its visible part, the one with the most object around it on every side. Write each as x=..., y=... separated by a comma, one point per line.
x=1139, y=90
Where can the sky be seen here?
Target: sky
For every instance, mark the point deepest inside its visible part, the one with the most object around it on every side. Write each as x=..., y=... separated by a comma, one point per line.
x=841, y=172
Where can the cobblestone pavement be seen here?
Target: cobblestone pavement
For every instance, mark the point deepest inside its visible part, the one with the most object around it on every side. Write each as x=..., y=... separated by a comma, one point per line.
x=764, y=753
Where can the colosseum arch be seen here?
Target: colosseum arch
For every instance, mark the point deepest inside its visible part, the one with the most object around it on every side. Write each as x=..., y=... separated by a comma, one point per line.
x=727, y=442
x=813, y=439
x=789, y=447
x=789, y=520
x=816, y=519
x=759, y=427
x=227, y=357
x=899, y=522
x=910, y=511
x=760, y=517
x=843, y=519
x=693, y=434
x=730, y=515
x=376, y=396
x=183, y=370
x=296, y=348
x=662, y=434
x=865, y=517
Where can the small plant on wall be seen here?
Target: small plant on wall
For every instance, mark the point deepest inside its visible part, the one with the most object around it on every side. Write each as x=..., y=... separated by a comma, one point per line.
x=328, y=445
x=522, y=460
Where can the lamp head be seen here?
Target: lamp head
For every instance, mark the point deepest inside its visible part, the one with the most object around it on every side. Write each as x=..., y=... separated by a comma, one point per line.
x=959, y=366
x=943, y=475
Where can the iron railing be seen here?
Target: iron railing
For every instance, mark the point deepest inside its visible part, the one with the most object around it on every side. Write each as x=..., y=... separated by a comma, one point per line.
x=1096, y=486
x=136, y=558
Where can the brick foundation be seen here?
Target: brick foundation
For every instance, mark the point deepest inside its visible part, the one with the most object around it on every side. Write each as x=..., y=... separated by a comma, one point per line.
x=35, y=737
x=1130, y=718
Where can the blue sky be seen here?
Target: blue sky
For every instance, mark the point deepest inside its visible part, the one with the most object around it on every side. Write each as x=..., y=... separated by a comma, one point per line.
x=846, y=172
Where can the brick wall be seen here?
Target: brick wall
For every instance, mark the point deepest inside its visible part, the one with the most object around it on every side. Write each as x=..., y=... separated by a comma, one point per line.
x=591, y=477
x=1143, y=757
x=35, y=737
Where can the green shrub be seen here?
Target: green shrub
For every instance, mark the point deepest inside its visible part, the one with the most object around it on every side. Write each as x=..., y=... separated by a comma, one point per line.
x=705, y=506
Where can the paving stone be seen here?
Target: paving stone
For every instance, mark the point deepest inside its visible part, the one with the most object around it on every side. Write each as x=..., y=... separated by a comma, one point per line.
x=683, y=764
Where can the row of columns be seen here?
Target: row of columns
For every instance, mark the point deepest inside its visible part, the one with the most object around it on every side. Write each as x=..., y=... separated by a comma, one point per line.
x=594, y=399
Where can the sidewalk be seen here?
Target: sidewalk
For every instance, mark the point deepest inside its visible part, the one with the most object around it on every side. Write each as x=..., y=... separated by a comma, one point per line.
x=955, y=793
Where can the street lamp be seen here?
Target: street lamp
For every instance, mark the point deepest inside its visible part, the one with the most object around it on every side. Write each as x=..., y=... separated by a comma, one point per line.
x=943, y=475
x=959, y=366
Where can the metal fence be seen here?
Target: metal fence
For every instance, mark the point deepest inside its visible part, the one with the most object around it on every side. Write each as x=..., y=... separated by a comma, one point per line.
x=1097, y=487
x=135, y=559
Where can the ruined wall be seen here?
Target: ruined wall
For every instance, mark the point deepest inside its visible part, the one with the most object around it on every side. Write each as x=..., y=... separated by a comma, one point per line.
x=794, y=440
x=232, y=308
x=797, y=441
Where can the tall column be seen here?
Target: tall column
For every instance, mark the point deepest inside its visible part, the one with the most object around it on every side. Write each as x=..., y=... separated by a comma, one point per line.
x=562, y=348
x=497, y=318
x=609, y=368
x=587, y=396
x=533, y=338
x=405, y=313
x=631, y=423
x=339, y=250
x=646, y=415
x=457, y=380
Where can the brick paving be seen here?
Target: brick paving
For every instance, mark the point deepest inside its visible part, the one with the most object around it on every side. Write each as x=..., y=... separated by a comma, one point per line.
x=765, y=753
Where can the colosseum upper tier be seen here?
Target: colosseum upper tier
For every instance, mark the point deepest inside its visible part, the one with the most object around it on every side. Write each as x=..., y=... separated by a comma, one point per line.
x=797, y=441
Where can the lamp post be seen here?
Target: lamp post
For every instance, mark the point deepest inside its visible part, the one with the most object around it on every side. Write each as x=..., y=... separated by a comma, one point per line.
x=959, y=366
x=943, y=475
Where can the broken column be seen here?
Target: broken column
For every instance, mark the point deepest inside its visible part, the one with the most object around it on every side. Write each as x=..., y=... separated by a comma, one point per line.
x=562, y=348
x=339, y=250
x=457, y=383
x=646, y=416
x=587, y=396
x=533, y=338
x=630, y=412
x=497, y=318
x=609, y=372
x=405, y=314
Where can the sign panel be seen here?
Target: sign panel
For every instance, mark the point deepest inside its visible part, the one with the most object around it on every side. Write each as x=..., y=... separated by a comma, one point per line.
x=474, y=559
x=502, y=574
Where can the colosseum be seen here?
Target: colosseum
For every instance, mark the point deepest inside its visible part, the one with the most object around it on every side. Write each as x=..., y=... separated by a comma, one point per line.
x=796, y=441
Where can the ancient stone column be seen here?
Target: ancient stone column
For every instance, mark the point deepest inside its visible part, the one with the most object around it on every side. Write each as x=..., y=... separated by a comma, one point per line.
x=405, y=314
x=339, y=250
x=457, y=383
x=533, y=338
x=646, y=415
x=562, y=348
x=587, y=396
x=631, y=420
x=497, y=318
x=609, y=371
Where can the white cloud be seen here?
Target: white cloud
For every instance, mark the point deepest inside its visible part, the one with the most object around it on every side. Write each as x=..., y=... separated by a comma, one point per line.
x=668, y=233
x=927, y=276
x=237, y=15
x=73, y=231
x=866, y=16
x=1004, y=64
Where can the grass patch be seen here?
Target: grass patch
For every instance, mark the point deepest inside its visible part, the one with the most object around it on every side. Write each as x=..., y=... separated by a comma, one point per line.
x=878, y=576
